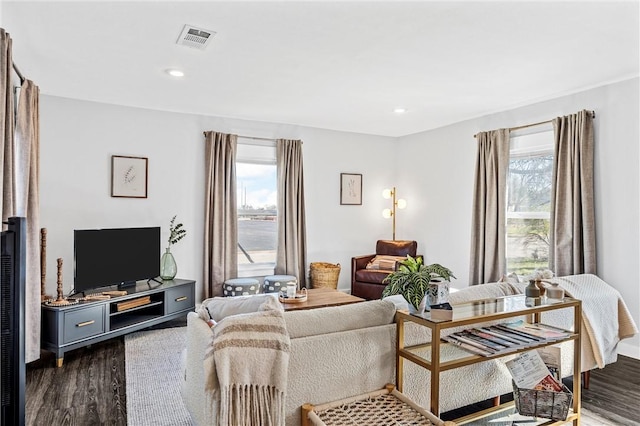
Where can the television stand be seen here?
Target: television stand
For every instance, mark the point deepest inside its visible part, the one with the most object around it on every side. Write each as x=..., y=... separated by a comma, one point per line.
x=65, y=328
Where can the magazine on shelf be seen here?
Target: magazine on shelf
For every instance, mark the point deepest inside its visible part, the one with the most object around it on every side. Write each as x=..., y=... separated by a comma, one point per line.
x=514, y=339
x=529, y=371
x=473, y=335
x=541, y=331
x=482, y=346
x=525, y=337
x=502, y=339
x=506, y=343
x=471, y=347
x=551, y=357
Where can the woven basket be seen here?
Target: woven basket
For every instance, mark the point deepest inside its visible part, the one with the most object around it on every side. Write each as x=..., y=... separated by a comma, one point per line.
x=543, y=403
x=324, y=275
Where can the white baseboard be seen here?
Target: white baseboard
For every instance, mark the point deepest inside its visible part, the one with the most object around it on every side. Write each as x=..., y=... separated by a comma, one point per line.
x=629, y=350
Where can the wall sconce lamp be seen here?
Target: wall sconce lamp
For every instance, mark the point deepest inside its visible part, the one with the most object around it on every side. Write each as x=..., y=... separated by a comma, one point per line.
x=395, y=204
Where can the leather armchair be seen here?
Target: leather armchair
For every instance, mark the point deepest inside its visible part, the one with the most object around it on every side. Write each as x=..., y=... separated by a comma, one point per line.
x=367, y=283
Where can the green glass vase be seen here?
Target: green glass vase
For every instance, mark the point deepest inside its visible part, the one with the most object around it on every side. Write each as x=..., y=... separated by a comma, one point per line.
x=168, y=267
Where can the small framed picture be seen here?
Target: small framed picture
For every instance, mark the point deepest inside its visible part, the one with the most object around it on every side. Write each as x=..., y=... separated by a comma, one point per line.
x=351, y=189
x=129, y=176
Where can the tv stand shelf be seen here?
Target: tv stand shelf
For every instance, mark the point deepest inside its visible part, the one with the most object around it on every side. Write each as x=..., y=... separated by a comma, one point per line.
x=65, y=328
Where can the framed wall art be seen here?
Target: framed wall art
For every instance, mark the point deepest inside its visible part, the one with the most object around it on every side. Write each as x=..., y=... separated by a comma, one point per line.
x=351, y=189
x=129, y=176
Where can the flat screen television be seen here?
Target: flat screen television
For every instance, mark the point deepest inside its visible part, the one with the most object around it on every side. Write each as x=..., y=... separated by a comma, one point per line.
x=122, y=256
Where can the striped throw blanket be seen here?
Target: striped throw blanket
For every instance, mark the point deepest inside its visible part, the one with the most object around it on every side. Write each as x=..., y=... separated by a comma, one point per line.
x=246, y=369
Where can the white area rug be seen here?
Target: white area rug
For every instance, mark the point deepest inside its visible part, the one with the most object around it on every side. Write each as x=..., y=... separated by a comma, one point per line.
x=152, y=363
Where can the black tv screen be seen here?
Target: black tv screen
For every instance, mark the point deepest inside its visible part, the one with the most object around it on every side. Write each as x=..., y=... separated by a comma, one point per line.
x=105, y=257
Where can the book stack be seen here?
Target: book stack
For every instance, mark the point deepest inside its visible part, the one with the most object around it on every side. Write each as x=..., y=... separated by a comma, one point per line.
x=501, y=339
x=442, y=312
x=133, y=303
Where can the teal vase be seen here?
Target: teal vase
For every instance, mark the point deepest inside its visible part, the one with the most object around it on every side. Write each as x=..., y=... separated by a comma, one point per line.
x=168, y=267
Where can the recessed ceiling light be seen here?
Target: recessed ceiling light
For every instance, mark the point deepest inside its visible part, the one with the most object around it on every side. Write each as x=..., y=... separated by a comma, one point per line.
x=399, y=110
x=175, y=73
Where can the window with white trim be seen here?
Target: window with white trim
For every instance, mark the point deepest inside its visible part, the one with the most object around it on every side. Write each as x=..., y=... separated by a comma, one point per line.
x=529, y=183
x=256, y=180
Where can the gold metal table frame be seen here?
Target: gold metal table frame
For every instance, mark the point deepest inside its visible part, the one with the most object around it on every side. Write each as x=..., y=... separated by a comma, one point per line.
x=476, y=313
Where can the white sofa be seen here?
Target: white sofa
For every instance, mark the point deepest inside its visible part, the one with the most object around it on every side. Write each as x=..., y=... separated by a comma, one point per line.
x=338, y=352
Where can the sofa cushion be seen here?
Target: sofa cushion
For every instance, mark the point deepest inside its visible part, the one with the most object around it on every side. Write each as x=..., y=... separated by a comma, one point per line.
x=397, y=247
x=482, y=291
x=333, y=319
x=371, y=275
x=220, y=307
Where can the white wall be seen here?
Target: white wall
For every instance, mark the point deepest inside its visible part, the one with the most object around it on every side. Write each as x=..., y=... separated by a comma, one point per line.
x=436, y=173
x=78, y=139
x=433, y=171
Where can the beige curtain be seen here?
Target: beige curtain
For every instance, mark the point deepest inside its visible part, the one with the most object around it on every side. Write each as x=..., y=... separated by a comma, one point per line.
x=291, y=255
x=573, y=241
x=28, y=205
x=221, y=226
x=6, y=127
x=488, y=244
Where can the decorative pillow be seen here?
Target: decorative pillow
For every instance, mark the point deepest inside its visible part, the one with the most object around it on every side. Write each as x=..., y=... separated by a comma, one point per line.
x=218, y=308
x=512, y=278
x=386, y=263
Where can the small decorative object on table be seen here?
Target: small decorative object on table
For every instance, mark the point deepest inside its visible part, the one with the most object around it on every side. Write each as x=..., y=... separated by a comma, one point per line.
x=298, y=297
x=442, y=312
x=555, y=292
x=44, y=297
x=539, y=276
x=532, y=294
x=61, y=300
x=168, y=266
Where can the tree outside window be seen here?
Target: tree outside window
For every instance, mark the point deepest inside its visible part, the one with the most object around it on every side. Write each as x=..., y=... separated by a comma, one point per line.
x=529, y=203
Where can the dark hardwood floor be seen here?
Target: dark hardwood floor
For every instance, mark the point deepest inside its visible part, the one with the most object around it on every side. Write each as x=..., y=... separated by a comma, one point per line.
x=90, y=389
x=614, y=392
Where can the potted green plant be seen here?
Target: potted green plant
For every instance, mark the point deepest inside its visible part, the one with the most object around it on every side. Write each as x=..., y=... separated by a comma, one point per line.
x=415, y=281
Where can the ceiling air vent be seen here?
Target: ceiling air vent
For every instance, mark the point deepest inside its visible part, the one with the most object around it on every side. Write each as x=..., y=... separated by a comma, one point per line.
x=195, y=37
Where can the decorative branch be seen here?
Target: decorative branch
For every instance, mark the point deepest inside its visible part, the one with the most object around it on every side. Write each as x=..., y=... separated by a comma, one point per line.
x=176, y=231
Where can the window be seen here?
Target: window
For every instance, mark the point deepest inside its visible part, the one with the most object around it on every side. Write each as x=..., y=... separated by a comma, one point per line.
x=529, y=184
x=256, y=179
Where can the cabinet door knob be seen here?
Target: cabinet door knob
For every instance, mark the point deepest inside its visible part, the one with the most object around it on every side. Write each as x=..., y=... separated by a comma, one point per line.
x=180, y=299
x=82, y=324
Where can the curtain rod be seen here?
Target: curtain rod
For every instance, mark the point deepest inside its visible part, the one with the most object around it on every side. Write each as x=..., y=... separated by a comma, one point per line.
x=524, y=126
x=254, y=138
x=251, y=137
x=15, y=68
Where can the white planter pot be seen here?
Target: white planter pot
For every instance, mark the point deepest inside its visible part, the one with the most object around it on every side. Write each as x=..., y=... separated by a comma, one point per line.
x=422, y=307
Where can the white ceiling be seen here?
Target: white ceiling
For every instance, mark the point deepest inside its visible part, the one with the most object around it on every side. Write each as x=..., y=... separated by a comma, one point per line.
x=333, y=65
